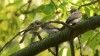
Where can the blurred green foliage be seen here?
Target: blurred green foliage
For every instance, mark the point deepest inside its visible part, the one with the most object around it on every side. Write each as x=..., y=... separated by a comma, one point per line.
x=15, y=17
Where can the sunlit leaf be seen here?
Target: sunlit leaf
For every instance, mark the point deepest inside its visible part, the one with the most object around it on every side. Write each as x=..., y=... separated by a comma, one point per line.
x=62, y=4
x=86, y=36
x=95, y=40
x=61, y=52
x=73, y=4
x=33, y=14
x=11, y=49
x=83, y=1
x=47, y=18
x=95, y=10
x=4, y=25
x=16, y=2
x=87, y=10
x=69, y=52
x=48, y=9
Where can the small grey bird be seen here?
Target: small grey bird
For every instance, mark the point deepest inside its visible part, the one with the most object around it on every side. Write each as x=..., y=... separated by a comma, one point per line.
x=74, y=18
x=35, y=27
x=49, y=28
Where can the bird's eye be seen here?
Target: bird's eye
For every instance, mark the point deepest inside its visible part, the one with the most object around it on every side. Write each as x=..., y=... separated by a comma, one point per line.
x=37, y=23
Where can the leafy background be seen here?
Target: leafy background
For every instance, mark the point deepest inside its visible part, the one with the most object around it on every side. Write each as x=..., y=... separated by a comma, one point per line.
x=14, y=17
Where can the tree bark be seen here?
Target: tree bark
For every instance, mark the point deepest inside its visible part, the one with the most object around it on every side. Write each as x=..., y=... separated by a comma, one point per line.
x=59, y=37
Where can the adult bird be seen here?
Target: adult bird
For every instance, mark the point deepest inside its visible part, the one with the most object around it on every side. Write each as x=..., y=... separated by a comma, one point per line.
x=74, y=18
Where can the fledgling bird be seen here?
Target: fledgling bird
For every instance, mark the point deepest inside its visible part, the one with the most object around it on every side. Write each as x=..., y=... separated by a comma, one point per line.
x=35, y=27
x=49, y=28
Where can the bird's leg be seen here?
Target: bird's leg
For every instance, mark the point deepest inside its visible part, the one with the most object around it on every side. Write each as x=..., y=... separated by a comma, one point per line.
x=38, y=34
x=80, y=44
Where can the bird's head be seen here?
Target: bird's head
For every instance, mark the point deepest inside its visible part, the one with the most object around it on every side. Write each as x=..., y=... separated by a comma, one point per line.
x=37, y=22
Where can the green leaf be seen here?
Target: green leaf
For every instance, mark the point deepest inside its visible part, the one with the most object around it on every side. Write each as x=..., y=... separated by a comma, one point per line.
x=15, y=3
x=13, y=47
x=61, y=52
x=83, y=1
x=48, y=9
x=47, y=18
x=87, y=35
x=33, y=14
x=62, y=4
x=4, y=25
x=69, y=52
x=87, y=11
x=73, y=4
x=95, y=40
x=95, y=10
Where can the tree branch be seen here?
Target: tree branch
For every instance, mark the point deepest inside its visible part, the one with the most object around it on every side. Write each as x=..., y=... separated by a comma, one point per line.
x=59, y=37
x=88, y=4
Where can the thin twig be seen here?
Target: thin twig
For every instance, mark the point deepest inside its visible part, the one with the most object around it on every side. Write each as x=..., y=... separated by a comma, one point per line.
x=80, y=44
x=14, y=38
x=88, y=39
x=88, y=4
x=11, y=40
x=59, y=22
x=54, y=4
x=96, y=53
x=59, y=1
x=22, y=7
x=29, y=3
x=51, y=51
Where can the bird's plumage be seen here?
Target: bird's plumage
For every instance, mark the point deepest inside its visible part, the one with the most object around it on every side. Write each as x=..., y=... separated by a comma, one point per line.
x=35, y=27
x=74, y=18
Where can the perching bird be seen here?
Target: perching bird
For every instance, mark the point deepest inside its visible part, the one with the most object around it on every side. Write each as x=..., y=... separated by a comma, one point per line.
x=74, y=18
x=49, y=28
x=35, y=27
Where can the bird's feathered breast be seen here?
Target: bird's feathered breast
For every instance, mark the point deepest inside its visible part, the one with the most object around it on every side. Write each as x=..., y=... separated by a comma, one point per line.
x=74, y=16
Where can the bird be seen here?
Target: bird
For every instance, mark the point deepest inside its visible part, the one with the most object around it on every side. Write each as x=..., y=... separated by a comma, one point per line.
x=35, y=27
x=74, y=18
x=49, y=28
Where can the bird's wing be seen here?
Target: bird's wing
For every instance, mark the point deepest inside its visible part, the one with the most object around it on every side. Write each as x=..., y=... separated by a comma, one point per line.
x=49, y=26
x=74, y=15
